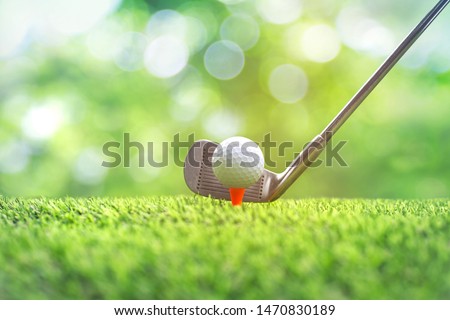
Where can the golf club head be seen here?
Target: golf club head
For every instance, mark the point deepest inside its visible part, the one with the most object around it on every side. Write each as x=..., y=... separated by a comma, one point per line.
x=201, y=180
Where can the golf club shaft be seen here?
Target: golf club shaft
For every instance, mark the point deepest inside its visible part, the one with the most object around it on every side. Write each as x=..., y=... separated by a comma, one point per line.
x=315, y=147
x=384, y=69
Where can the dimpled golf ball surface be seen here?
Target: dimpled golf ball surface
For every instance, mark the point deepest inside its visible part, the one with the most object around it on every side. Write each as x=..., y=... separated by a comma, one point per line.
x=237, y=162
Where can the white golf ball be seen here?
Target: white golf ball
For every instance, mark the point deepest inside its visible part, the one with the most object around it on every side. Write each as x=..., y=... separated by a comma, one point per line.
x=237, y=162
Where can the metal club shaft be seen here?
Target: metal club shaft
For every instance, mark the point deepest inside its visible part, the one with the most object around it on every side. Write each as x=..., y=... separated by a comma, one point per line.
x=316, y=146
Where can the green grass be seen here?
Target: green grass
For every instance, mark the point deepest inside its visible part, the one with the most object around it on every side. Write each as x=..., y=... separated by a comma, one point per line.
x=193, y=247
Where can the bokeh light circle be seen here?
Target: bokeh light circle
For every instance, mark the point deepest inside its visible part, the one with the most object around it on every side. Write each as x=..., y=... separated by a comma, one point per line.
x=43, y=120
x=288, y=83
x=87, y=168
x=222, y=124
x=224, y=60
x=166, y=56
x=190, y=30
x=166, y=22
x=14, y=156
x=279, y=11
x=320, y=43
x=195, y=34
x=129, y=51
x=241, y=29
x=361, y=32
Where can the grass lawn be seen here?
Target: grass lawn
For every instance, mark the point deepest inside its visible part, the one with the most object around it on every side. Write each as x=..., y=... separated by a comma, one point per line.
x=194, y=247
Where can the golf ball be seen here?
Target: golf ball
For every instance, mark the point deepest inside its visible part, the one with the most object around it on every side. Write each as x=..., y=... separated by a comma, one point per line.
x=237, y=162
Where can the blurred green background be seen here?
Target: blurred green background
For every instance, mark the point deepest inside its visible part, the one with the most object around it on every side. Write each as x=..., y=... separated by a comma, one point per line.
x=77, y=74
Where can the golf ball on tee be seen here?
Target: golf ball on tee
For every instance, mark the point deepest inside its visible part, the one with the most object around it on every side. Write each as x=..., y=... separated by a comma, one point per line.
x=237, y=162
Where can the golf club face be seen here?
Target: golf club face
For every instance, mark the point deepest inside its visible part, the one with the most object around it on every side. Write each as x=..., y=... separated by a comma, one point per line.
x=201, y=179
